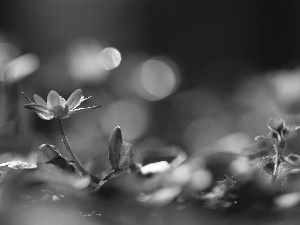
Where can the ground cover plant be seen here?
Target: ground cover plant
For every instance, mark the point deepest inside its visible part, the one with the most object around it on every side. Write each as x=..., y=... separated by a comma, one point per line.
x=55, y=184
x=149, y=112
x=259, y=185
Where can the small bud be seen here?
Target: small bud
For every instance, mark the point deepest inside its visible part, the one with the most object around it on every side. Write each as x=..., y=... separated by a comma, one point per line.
x=276, y=124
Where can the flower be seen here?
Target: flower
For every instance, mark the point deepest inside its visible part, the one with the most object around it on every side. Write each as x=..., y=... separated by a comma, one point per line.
x=56, y=106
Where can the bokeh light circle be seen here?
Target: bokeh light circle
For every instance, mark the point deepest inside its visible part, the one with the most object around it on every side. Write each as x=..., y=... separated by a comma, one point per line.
x=82, y=58
x=21, y=67
x=7, y=53
x=201, y=134
x=129, y=114
x=159, y=78
x=110, y=58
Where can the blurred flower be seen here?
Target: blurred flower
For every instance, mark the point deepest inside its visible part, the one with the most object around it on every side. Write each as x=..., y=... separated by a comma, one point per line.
x=20, y=67
x=109, y=58
x=288, y=200
x=130, y=114
x=234, y=142
x=82, y=58
x=89, y=62
x=8, y=52
x=159, y=77
x=57, y=106
x=156, y=167
x=285, y=86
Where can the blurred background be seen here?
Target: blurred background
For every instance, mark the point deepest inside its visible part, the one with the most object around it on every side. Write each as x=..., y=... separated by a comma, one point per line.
x=197, y=76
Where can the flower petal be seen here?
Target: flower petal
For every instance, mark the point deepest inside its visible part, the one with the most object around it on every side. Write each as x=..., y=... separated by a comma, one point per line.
x=53, y=100
x=74, y=99
x=63, y=102
x=45, y=116
x=37, y=108
x=42, y=111
x=39, y=100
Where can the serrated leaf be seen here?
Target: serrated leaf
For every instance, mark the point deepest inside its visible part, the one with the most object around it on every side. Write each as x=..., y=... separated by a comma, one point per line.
x=115, y=143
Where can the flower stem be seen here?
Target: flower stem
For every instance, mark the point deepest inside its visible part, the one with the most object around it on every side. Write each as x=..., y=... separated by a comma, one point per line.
x=278, y=146
x=107, y=177
x=111, y=174
x=276, y=168
x=72, y=155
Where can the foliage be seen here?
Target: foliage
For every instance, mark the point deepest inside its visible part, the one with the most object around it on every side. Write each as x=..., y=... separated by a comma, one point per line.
x=259, y=186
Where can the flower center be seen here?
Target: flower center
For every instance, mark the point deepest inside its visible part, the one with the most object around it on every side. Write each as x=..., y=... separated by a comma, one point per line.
x=59, y=111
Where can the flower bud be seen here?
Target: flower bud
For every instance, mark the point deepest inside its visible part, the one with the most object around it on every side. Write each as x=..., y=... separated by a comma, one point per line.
x=276, y=124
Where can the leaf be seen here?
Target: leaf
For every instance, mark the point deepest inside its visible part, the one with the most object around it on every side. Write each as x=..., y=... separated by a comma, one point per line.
x=292, y=159
x=16, y=165
x=49, y=154
x=126, y=153
x=115, y=143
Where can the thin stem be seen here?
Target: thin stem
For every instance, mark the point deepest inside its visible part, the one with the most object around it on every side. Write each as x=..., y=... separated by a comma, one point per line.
x=278, y=146
x=71, y=153
x=111, y=174
x=107, y=177
x=276, y=168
